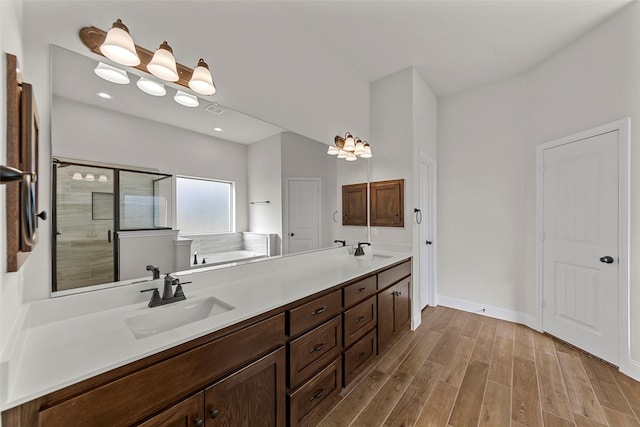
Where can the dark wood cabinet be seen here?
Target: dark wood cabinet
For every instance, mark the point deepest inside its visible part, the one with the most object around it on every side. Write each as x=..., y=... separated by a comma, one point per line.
x=387, y=203
x=187, y=413
x=394, y=311
x=354, y=204
x=252, y=396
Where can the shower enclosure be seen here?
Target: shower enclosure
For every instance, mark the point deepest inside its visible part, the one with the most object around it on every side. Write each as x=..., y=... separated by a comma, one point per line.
x=92, y=204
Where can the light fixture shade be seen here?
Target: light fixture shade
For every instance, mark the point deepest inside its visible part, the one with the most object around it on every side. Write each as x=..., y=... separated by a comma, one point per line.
x=342, y=154
x=163, y=64
x=359, y=150
x=151, y=87
x=111, y=74
x=351, y=157
x=89, y=177
x=349, y=143
x=77, y=176
x=186, y=99
x=103, y=178
x=367, y=151
x=333, y=150
x=118, y=45
x=201, y=80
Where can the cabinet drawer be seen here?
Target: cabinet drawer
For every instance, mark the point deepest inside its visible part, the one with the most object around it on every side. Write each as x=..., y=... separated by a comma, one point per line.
x=359, y=291
x=359, y=320
x=358, y=356
x=319, y=388
x=128, y=399
x=314, y=313
x=313, y=350
x=389, y=277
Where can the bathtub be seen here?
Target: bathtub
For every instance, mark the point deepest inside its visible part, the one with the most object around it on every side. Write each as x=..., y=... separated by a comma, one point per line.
x=217, y=258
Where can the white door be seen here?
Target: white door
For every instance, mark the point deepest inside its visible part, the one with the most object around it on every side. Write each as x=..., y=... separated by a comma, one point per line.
x=427, y=231
x=303, y=219
x=580, y=244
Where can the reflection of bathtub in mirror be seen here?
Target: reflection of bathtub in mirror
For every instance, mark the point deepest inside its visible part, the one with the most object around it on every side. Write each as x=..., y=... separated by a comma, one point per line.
x=214, y=249
x=217, y=258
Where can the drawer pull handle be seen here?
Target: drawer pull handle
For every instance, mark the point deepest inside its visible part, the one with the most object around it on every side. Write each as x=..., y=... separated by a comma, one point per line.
x=319, y=311
x=317, y=347
x=397, y=293
x=318, y=394
x=213, y=413
x=361, y=356
x=361, y=319
x=361, y=290
x=198, y=422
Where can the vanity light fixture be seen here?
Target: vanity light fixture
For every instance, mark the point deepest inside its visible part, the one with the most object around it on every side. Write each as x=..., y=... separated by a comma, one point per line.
x=350, y=148
x=103, y=178
x=77, y=176
x=104, y=95
x=89, y=177
x=111, y=74
x=186, y=99
x=118, y=45
x=151, y=87
x=163, y=64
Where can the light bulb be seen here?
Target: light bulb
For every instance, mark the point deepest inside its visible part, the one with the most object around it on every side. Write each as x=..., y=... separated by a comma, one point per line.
x=186, y=99
x=349, y=143
x=103, y=178
x=359, y=149
x=77, y=176
x=342, y=154
x=333, y=150
x=151, y=87
x=351, y=157
x=201, y=80
x=163, y=64
x=89, y=177
x=367, y=151
x=118, y=45
x=111, y=74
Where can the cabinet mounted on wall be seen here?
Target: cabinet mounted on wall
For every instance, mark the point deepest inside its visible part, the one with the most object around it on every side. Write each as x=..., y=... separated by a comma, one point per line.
x=22, y=157
x=386, y=205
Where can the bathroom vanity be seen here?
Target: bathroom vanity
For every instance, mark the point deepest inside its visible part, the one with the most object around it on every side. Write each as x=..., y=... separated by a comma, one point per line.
x=282, y=346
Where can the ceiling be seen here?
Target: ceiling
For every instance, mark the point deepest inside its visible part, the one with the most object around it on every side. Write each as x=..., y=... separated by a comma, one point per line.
x=454, y=44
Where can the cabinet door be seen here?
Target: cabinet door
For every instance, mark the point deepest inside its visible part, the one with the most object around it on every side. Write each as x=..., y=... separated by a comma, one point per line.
x=402, y=304
x=253, y=396
x=354, y=204
x=387, y=203
x=385, y=317
x=188, y=413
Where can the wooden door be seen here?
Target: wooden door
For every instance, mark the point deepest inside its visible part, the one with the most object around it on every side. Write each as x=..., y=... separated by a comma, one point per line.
x=401, y=304
x=580, y=244
x=303, y=214
x=387, y=203
x=386, y=317
x=354, y=204
x=251, y=397
x=187, y=413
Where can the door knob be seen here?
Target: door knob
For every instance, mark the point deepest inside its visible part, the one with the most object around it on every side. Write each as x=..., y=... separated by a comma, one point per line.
x=291, y=234
x=428, y=242
x=606, y=260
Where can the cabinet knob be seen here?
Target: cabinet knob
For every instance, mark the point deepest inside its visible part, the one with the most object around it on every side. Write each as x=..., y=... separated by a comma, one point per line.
x=213, y=413
x=198, y=422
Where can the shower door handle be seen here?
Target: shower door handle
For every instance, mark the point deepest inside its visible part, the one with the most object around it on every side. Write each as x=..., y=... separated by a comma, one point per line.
x=109, y=236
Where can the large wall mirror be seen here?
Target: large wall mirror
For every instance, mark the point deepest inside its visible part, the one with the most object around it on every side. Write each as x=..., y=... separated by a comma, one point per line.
x=122, y=156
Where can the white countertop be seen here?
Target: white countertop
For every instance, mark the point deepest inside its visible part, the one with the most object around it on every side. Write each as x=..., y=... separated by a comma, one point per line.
x=61, y=341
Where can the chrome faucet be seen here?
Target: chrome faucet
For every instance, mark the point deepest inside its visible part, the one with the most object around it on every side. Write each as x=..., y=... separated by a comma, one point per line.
x=168, y=296
x=360, y=249
x=156, y=271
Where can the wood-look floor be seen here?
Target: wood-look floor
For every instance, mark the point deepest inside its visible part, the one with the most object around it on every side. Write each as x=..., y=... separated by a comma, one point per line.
x=462, y=369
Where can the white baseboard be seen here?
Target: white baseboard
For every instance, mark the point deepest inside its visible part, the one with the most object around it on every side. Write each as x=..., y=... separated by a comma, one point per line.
x=489, y=310
x=631, y=368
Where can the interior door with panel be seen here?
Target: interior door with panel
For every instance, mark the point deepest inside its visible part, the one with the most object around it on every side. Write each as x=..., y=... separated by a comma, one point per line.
x=303, y=219
x=580, y=244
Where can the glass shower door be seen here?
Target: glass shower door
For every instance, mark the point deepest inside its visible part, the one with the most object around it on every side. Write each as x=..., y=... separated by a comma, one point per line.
x=84, y=226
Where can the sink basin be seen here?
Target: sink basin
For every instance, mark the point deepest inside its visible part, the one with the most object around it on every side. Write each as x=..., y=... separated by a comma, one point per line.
x=162, y=319
x=379, y=256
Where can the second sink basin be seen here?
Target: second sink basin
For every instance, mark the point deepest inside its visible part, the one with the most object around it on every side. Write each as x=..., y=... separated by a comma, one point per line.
x=162, y=319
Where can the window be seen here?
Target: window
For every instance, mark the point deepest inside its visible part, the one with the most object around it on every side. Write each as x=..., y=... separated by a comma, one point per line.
x=204, y=206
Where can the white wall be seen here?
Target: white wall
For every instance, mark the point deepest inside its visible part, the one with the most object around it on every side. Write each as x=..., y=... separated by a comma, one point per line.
x=264, y=166
x=10, y=283
x=588, y=83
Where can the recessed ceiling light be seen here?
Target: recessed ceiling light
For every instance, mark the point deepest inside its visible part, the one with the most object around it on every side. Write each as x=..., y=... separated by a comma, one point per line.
x=111, y=74
x=151, y=87
x=218, y=129
x=104, y=95
x=186, y=99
